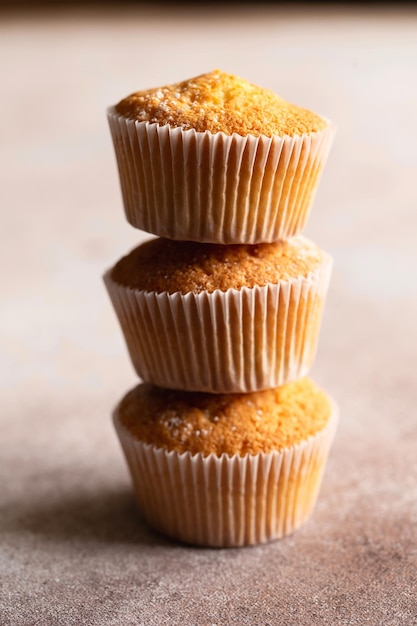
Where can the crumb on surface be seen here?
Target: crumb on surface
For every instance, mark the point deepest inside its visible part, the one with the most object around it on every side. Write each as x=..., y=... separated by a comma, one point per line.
x=220, y=102
x=241, y=424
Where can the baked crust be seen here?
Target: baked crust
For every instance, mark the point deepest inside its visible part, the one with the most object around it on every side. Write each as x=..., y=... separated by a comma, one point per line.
x=241, y=424
x=220, y=102
x=163, y=265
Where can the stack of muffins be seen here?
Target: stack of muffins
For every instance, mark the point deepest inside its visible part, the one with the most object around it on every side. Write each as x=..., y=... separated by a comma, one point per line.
x=227, y=437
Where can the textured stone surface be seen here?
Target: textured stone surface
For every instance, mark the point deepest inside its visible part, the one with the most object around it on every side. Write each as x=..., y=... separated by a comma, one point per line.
x=73, y=548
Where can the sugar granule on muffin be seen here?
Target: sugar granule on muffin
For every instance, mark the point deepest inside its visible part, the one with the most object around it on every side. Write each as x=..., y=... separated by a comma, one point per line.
x=220, y=102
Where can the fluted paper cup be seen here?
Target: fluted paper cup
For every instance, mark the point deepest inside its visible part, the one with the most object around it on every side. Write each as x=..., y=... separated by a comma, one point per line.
x=225, y=341
x=227, y=501
x=217, y=188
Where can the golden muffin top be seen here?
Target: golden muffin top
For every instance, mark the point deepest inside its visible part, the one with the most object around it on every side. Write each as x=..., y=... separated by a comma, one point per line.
x=220, y=102
x=164, y=265
x=241, y=424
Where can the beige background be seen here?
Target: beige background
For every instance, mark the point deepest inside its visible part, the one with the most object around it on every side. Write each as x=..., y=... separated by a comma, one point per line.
x=73, y=548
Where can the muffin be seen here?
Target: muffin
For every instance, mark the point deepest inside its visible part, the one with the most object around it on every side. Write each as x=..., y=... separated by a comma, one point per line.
x=217, y=159
x=220, y=318
x=227, y=469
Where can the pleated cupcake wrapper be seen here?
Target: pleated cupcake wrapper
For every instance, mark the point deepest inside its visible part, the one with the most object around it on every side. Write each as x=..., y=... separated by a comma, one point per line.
x=221, y=342
x=216, y=188
x=228, y=500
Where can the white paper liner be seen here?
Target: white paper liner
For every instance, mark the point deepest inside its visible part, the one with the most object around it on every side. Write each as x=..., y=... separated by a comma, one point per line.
x=217, y=188
x=227, y=501
x=222, y=342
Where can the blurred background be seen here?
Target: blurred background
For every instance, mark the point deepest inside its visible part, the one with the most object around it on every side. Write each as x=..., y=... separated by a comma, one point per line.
x=63, y=361
x=62, y=222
